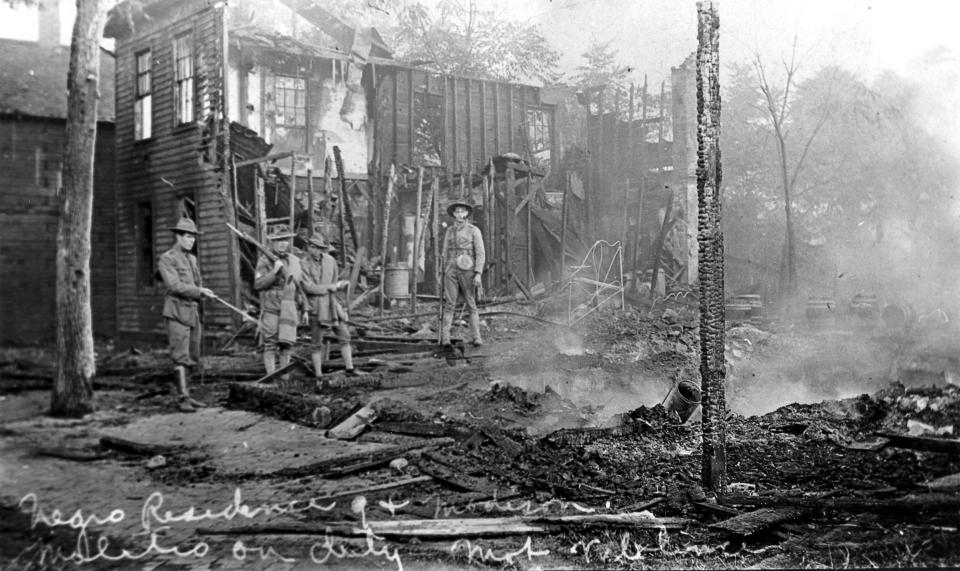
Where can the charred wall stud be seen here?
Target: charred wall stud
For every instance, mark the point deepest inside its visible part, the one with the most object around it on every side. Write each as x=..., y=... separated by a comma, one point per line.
x=712, y=370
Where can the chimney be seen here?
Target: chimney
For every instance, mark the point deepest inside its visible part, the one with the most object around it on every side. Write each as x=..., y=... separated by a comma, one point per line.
x=49, y=14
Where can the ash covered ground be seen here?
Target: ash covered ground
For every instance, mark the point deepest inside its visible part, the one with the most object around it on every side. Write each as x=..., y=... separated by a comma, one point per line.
x=517, y=454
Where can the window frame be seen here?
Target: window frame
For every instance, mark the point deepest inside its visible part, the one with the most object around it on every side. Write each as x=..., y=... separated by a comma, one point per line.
x=143, y=96
x=300, y=109
x=540, y=120
x=427, y=120
x=184, y=86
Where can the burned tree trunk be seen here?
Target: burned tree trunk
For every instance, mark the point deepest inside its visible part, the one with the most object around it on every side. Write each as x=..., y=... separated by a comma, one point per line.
x=72, y=387
x=710, y=237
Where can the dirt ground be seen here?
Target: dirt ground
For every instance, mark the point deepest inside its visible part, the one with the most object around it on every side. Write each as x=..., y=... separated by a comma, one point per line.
x=542, y=425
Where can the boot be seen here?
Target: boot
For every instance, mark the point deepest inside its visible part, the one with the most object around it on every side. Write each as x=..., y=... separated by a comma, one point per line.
x=445, y=327
x=317, y=358
x=475, y=329
x=269, y=361
x=284, y=361
x=347, y=351
x=183, y=398
x=183, y=384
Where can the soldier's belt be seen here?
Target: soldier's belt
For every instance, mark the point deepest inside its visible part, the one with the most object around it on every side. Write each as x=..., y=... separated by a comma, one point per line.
x=463, y=261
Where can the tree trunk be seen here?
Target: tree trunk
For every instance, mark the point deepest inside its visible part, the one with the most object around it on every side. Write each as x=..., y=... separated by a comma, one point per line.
x=710, y=238
x=790, y=258
x=72, y=387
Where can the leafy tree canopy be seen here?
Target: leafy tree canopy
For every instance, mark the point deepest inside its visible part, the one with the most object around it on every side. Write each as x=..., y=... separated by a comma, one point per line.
x=462, y=37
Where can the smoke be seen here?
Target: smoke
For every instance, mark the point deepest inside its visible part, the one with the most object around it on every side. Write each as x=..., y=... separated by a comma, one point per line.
x=807, y=366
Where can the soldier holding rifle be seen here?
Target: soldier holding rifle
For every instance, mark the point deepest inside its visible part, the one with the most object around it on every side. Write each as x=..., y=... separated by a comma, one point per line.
x=184, y=290
x=277, y=279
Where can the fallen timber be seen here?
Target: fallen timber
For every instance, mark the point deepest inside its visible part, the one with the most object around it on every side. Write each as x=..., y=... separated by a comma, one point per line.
x=285, y=406
x=910, y=504
x=463, y=527
x=942, y=445
x=337, y=467
x=758, y=520
x=137, y=448
x=379, y=459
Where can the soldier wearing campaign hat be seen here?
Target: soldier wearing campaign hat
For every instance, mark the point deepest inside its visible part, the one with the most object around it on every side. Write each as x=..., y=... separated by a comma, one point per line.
x=463, y=260
x=320, y=284
x=184, y=289
x=278, y=282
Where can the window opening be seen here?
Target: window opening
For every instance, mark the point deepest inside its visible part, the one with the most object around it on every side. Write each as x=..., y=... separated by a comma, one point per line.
x=183, y=90
x=291, y=100
x=143, y=105
x=145, y=251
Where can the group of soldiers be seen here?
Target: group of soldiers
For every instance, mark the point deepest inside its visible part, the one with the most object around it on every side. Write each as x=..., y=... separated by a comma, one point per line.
x=287, y=282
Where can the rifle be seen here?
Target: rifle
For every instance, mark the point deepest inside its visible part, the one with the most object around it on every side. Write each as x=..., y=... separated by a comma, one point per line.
x=301, y=296
x=237, y=310
x=267, y=252
x=263, y=249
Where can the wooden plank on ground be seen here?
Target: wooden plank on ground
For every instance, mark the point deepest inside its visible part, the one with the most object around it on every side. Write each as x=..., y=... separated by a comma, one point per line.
x=271, y=401
x=945, y=484
x=455, y=479
x=353, y=425
x=74, y=454
x=717, y=508
x=758, y=520
x=459, y=528
x=139, y=448
x=906, y=505
x=635, y=520
x=924, y=444
x=294, y=363
x=644, y=505
x=332, y=464
x=386, y=457
x=425, y=429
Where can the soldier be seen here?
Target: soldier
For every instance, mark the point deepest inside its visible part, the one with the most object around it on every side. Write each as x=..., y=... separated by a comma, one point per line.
x=464, y=257
x=278, y=283
x=320, y=273
x=181, y=276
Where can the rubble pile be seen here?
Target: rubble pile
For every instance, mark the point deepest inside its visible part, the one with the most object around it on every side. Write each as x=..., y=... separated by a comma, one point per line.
x=473, y=426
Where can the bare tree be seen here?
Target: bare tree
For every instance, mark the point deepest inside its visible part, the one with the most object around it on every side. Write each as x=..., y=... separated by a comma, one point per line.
x=72, y=386
x=776, y=105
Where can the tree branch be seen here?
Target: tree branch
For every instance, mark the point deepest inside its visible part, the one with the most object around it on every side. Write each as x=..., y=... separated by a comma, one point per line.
x=806, y=147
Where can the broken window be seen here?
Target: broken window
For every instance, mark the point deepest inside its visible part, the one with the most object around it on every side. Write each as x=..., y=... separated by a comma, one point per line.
x=187, y=207
x=291, y=98
x=143, y=105
x=144, y=237
x=538, y=129
x=428, y=122
x=183, y=79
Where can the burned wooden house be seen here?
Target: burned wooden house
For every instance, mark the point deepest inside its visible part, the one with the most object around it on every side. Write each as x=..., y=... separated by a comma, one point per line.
x=231, y=114
x=33, y=111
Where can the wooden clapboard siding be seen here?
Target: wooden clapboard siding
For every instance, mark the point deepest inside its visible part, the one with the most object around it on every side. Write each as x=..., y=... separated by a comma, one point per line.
x=30, y=162
x=506, y=108
x=480, y=118
x=169, y=166
x=402, y=117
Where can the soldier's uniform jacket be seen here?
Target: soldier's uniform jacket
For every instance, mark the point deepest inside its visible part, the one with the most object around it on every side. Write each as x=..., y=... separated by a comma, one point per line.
x=276, y=288
x=463, y=239
x=319, y=282
x=181, y=276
